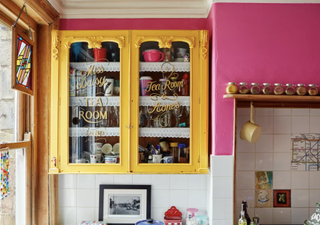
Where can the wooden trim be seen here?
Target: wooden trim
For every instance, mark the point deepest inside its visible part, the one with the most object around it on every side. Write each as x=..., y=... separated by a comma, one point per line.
x=10, y=9
x=15, y=145
x=53, y=199
x=44, y=9
x=28, y=186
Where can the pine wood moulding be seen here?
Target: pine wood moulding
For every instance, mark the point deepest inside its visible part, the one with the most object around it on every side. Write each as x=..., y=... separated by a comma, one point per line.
x=283, y=101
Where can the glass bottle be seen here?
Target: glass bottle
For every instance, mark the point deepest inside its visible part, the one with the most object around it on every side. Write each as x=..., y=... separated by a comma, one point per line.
x=182, y=156
x=232, y=88
x=243, y=88
x=174, y=90
x=313, y=90
x=174, y=151
x=245, y=206
x=290, y=89
x=242, y=219
x=278, y=89
x=267, y=89
x=255, y=89
x=301, y=89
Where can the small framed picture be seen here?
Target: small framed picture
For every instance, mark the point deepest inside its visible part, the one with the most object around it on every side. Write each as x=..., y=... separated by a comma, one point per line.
x=281, y=198
x=22, y=62
x=124, y=204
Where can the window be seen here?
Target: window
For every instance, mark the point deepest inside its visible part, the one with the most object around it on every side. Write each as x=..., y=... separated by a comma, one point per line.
x=14, y=122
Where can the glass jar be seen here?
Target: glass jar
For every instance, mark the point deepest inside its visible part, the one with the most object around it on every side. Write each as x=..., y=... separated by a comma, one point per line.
x=183, y=153
x=301, y=89
x=174, y=151
x=313, y=90
x=255, y=89
x=162, y=82
x=290, y=89
x=267, y=89
x=232, y=88
x=278, y=89
x=174, y=90
x=243, y=88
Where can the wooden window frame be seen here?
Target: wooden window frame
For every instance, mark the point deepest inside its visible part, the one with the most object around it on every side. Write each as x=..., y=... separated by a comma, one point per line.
x=26, y=121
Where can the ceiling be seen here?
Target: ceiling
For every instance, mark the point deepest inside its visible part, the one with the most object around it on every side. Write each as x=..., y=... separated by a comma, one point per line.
x=145, y=8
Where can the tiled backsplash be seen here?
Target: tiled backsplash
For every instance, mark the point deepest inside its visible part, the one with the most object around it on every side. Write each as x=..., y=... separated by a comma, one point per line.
x=79, y=194
x=272, y=152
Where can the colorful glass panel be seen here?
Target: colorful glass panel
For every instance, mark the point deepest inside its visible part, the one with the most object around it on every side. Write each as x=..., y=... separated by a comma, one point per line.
x=24, y=63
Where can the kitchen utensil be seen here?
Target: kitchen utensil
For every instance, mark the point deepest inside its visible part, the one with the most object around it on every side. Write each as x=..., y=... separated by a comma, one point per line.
x=147, y=115
x=156, y=158
x=108, y=86
x=191, y=212
x=167, y=159
x=95, y=158
x=96, y=148
x=144, y=85
x=202, y=220
x=153, y=55
x=115, y=148
x=76, y=49
x=110, y=159
x=177, y=112
x=250, y=131
x=100, y=54
x=106, y=148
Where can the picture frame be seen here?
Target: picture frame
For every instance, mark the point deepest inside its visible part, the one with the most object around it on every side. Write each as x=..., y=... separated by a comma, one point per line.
x=124, y=204
x=281, y=198
x=23, y=58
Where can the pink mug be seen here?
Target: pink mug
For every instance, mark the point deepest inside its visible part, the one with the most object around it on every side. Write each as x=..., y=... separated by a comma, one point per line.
x=153, y=55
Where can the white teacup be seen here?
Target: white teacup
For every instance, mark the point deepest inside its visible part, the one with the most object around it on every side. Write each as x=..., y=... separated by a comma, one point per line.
x=95, y=158
x=156, y=158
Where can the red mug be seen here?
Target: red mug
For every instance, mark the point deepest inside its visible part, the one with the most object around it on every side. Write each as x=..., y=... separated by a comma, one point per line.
x=153, y=55
x=100, y=54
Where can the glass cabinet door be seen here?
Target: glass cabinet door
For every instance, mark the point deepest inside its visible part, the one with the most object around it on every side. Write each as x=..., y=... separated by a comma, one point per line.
x=96, y=74
x=165, y=105
x=94, y=91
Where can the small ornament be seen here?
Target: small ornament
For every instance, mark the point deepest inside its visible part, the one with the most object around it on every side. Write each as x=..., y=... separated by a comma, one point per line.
x=186, y=58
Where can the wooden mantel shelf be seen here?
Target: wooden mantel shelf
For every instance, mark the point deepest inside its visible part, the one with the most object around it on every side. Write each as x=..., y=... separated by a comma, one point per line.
x=285, y=101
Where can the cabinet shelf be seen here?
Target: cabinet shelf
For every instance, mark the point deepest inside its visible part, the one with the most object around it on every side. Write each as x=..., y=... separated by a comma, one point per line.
x=94, y=131
x=156, y=66
x=290, y=101
x=172, y=132
x=85, y=100
x=147, y=101
x=107, y=66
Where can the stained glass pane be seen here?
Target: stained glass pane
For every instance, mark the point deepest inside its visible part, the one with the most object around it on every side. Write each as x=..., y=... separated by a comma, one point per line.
x=24, y=63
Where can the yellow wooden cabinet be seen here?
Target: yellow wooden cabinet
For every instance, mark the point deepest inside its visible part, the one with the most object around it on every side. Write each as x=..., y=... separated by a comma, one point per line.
x=123, y=99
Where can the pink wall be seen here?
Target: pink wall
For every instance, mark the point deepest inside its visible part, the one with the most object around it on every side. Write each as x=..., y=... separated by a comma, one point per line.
x=133, y=24
x=260, y=43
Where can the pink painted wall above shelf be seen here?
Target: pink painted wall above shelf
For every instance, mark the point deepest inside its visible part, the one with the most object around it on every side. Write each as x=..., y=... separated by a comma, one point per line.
x=260, y=43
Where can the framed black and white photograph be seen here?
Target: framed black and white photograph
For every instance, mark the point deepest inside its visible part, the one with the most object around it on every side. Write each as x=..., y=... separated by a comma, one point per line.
x=124, y=204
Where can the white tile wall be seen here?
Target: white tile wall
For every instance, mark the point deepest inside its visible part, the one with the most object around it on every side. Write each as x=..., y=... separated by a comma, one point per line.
x=272, y=152
x=79, y=194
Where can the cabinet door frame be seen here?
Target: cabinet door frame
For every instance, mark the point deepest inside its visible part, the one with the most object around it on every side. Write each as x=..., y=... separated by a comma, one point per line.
x=60, y=130
x=198, y=98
